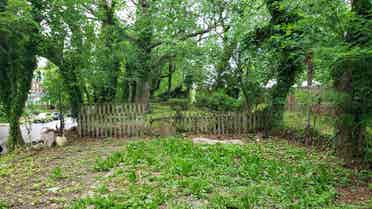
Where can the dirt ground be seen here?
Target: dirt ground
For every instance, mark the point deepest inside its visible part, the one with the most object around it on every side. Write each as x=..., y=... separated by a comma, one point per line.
x=52, y=178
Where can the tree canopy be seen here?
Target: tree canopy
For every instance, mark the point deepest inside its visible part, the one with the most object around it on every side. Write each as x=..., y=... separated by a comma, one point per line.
x=142, y=50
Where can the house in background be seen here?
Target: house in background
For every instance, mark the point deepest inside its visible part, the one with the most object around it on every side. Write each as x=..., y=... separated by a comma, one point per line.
x=37, y=92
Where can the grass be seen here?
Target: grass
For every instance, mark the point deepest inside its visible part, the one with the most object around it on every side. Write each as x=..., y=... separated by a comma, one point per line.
x=3, y=205
x=175, y=173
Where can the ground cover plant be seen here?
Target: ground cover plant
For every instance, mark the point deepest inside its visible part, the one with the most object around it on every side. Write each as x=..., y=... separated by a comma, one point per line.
x=175, y=173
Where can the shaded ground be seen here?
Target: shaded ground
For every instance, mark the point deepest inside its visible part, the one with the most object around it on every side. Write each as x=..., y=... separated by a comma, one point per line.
x=55, y=178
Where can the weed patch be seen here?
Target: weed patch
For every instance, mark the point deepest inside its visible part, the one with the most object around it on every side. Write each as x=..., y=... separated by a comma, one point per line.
x=175, y=173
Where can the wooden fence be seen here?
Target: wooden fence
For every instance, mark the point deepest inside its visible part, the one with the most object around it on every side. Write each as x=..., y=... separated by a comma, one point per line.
x=112, y=120
x=218, y=123
x=126, y=120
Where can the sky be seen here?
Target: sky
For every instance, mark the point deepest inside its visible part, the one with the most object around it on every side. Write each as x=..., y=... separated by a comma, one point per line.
x=41, y=62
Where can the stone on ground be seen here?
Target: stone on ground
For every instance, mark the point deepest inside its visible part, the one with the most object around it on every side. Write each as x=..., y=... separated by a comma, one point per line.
x=61, y=141
x=201, y=140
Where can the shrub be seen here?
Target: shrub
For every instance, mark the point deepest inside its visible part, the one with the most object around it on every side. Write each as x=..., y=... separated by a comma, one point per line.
x=178, y=104
x=2, y=115
x=218, y=101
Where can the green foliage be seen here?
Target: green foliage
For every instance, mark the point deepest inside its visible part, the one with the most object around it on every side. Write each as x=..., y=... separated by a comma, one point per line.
x=352, y=79
x=178, y=172
x=217, y=101
x=2, y=115
x=178, y=104
x=18, y=49
x=3, y=205
x=57, y=173
x=56, y=92
x=351, y=74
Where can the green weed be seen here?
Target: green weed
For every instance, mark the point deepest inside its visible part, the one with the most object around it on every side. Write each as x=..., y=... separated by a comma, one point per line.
x=3, y=205
x=57, y=174
x=176, y=173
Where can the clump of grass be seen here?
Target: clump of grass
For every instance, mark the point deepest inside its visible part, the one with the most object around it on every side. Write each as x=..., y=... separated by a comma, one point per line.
x=110, y=162
x=57, y=174
x=3, y=205
x=102, y=189
x=177, y=172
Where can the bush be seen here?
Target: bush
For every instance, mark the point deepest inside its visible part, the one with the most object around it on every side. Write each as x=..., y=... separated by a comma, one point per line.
x=2, y=115
x=218, y=101
x=178, y=104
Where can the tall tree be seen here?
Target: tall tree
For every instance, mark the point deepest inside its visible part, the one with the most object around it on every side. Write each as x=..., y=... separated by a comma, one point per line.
x=19, y=37
x=63, y=43
x=282, y=35
x=352, y=73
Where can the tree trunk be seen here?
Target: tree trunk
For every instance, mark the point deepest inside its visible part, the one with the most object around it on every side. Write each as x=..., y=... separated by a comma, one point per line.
x=73, y=88
x=348, y=73
x=15, y=135
x=171, y=70
x=126, y=93
x=310, y=75
x=288, y=69
x=131, y=91
x=224, y=63
x=143, y=92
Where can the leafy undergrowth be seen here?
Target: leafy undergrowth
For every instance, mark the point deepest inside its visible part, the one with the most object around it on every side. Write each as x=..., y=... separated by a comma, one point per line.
x=175, y=173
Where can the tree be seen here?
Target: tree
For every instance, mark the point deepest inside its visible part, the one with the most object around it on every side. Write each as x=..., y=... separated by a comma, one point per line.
x=64, y=43
x=351, y=74
x=19, y=37
x=282, y=35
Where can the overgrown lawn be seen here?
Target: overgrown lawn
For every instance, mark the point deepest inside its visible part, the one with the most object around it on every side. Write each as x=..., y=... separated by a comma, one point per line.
x=175, y=173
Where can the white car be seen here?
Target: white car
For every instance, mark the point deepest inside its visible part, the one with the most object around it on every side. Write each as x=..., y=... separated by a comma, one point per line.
x=41, y=118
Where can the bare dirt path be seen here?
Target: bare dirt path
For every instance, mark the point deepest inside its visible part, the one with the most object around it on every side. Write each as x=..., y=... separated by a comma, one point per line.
x=51, y=178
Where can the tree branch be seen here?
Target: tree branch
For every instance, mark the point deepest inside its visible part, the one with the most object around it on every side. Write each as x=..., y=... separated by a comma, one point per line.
x=186, y=36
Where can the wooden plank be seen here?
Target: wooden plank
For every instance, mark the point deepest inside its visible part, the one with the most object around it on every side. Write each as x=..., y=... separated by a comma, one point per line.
x=112, y=121
x=89, y=123
x=98, y=121
x=80, y=124
x=223, y=119
x=101, y=122
x=235, y=128
x=105, y=121
x=129, y=125
x=219, y=123
x=122, y=122
x=250, y=121
x=254, y=122
x=85, y=125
